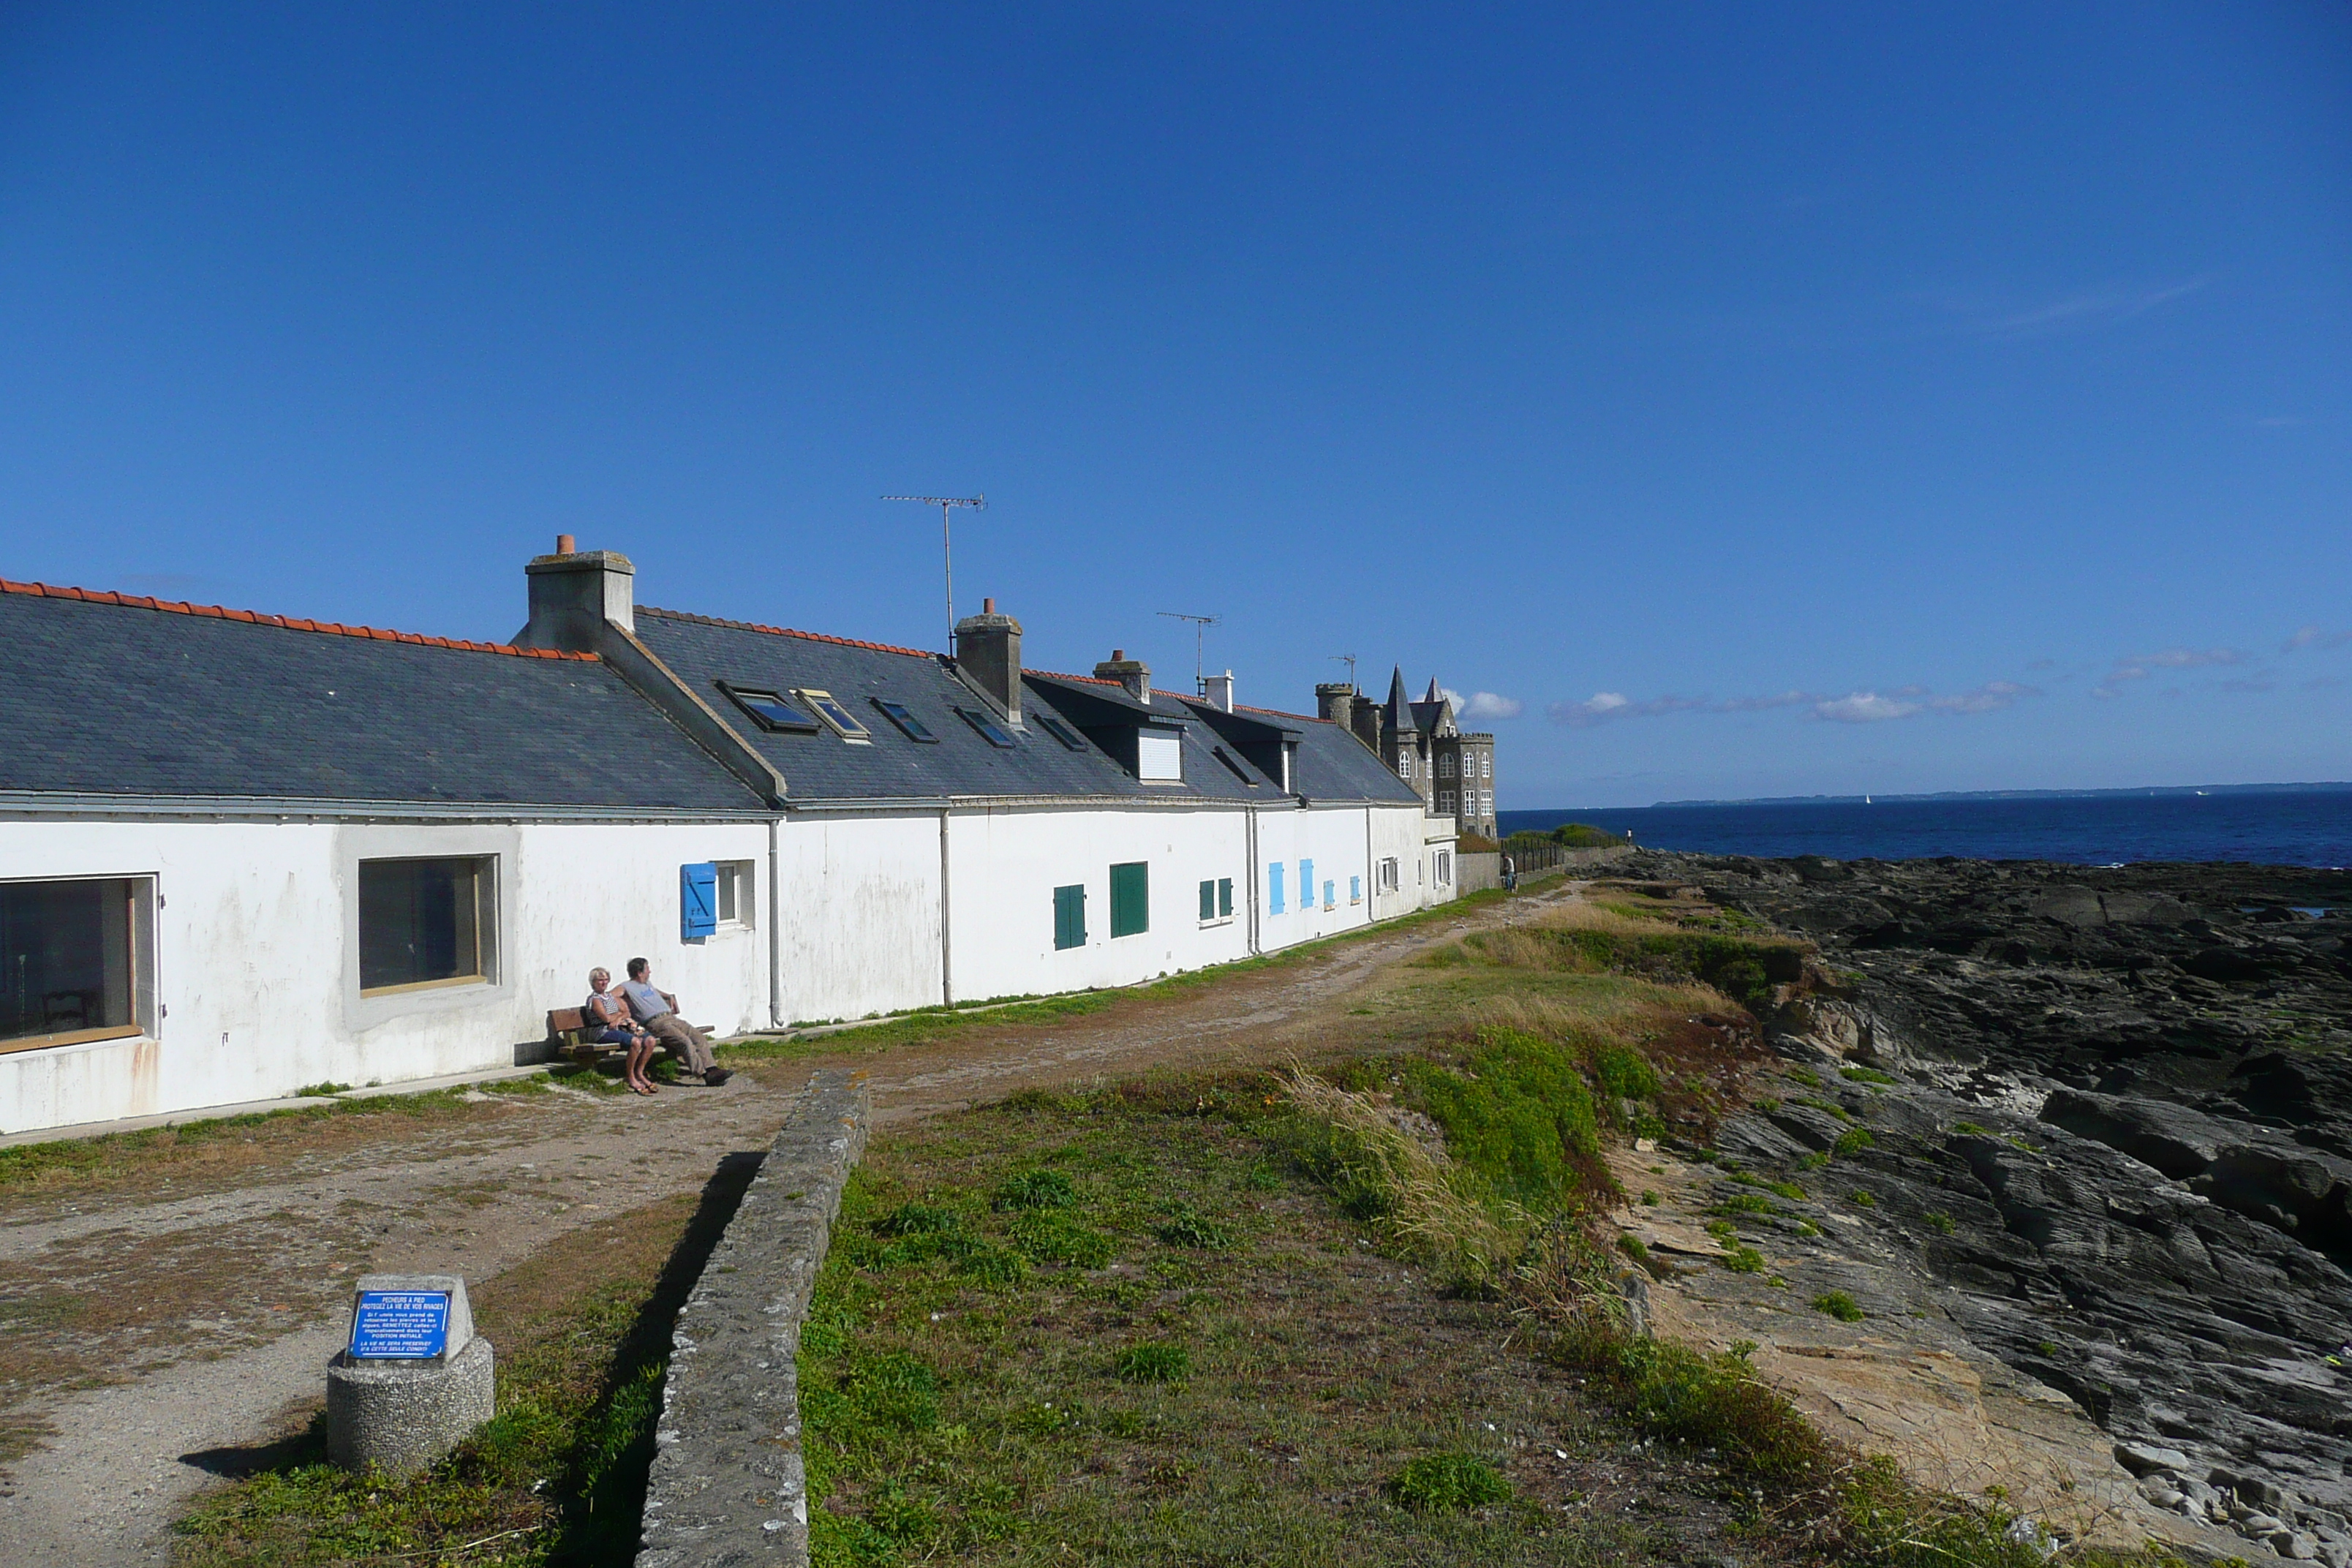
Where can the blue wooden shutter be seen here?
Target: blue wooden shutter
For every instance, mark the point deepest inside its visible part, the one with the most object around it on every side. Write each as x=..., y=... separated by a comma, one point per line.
x=1274, y=890
x=1306, y=887
x=698, y=899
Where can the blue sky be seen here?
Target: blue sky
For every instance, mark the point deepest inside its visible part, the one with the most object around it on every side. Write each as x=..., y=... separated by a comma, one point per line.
x=1749, y=400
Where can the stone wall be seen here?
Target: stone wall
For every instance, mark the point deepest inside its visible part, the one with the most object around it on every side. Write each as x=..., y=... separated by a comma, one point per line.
x=1476, y=873
x=729, y=1485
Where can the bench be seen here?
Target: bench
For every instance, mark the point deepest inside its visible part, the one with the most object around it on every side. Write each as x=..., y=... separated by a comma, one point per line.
x=565, y=1025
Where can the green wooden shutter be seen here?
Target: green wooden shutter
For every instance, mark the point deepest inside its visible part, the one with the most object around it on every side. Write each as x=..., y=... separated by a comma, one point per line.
x=1070, y=916
x=1130, y=898
x=1208, y=900
x=1224, y=897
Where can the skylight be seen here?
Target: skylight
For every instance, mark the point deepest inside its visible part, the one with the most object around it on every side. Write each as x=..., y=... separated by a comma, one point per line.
x=1060, y=732
x=913, y=728
x=770, y=709
x=843, y=722
x=991, y=731
x=1236, y=768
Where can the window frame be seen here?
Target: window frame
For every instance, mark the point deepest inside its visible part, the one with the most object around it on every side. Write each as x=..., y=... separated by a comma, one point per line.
x=1168, y=744
x=988, y=727
x=903, y=718
x=834, y=715
x=136, y=912
x=1054, y=725
x=485, y=919
x=744, y=696
x=738, y=885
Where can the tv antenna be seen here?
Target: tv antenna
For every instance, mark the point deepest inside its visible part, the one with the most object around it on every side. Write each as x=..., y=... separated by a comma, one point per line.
x=1201, y=625
x=1349, y=660
x=947, y=551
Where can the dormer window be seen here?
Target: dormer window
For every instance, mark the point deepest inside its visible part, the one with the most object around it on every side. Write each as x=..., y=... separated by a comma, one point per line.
x=770, y=709
x=837, y=719
x=1160, y=756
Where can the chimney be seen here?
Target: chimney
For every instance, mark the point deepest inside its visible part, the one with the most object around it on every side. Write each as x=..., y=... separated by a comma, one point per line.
x=1132, y=673
x=987, y=654
x=1334, y=700
x=1365, y=720
x=572, y=592
x=1219, y=690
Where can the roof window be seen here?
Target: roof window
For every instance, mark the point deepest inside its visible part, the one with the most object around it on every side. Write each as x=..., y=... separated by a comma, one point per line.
x=991, y=731
x=770, y=709
x=839, y=720
x=1234, y=766
x=914, y=729
x=1059, y=731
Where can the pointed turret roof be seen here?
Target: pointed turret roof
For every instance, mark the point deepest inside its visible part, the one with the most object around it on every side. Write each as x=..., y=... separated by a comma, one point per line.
x=1398, y=709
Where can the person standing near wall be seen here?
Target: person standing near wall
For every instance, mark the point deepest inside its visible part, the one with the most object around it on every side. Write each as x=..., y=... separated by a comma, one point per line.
x=657, y=1012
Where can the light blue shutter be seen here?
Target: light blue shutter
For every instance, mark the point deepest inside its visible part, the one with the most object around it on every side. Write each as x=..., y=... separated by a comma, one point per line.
x=1273, y=888
x=1306, y=887
x=698, y=899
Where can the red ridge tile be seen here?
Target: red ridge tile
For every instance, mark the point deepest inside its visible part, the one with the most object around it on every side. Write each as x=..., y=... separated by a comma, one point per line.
x=288, y=623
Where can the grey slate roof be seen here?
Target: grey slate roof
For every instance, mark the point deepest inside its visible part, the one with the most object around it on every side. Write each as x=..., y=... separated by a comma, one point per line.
x=1333, y=765
x=821, y=767
x=124, y=698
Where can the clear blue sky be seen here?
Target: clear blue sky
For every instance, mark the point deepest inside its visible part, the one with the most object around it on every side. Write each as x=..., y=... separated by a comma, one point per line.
x=1755, y=399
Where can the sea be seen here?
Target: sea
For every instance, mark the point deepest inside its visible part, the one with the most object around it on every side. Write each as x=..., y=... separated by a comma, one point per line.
x=2309, y=825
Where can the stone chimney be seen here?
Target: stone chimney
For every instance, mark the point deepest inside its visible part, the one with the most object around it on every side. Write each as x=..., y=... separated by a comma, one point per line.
x=1132, y=673
x=1365, y=720
x=572, y=592
x=988, y=652
x=1334, y=700
x=1218, y=690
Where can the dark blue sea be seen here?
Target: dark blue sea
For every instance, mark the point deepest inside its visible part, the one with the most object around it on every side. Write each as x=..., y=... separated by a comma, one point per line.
x=2285, y=827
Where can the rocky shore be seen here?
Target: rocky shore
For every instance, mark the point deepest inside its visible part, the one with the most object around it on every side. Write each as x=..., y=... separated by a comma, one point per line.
x=2101, y=1121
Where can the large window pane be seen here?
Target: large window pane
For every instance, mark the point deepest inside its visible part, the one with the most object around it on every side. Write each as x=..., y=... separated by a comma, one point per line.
x=420, y=921
x=65, y=960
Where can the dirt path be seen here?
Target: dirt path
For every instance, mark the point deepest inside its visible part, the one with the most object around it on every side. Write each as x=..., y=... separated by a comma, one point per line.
x=158, y=1325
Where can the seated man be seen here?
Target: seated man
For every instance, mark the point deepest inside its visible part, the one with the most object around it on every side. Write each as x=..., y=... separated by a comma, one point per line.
x=657, y=1011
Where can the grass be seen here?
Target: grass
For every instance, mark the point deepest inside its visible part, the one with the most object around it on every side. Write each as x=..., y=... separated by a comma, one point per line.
x=1448, y=1483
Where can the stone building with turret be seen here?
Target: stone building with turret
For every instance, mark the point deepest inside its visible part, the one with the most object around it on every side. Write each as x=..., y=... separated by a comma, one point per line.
x=1452, y=769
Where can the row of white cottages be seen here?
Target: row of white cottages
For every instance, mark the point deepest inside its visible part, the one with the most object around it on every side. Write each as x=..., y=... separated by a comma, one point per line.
x=241, y=854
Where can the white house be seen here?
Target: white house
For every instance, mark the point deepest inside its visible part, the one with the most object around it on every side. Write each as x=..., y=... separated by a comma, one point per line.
x=240, y=854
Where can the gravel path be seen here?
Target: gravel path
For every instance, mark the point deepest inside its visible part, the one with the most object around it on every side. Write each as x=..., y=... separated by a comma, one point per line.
x=202, y=1300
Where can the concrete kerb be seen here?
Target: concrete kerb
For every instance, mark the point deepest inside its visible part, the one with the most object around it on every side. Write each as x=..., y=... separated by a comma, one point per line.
x=728, y=1484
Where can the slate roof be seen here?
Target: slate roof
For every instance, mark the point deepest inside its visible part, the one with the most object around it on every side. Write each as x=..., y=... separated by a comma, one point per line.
x=105, y=694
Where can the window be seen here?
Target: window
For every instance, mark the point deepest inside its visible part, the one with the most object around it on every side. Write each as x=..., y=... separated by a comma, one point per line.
x=1131, y=898
x=1070, y=916
x=1305, y=886
x=1487, y=765
x=1355, y=889
x=1445, y=868
x=1446, y=801
x=1160, y=756
x=427, y=922
x=1225, y=897
x=770, y=709
x=1059, y=731
x=734, y=894
x=1389, y=874
x=914, y=729
x=71, y=961
x=1274, y=890
x=1445, y=766
x=1329, y=902
x=989, y=729
x=843, y=723
x=1233, y=766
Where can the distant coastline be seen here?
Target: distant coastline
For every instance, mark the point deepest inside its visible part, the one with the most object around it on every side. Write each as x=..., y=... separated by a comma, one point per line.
x=1951, y=794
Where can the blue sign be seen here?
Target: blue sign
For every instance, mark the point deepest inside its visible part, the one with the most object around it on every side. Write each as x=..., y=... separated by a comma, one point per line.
x=400, y=1325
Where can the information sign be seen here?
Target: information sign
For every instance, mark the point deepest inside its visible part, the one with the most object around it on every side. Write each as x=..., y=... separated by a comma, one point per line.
x=400, y=1325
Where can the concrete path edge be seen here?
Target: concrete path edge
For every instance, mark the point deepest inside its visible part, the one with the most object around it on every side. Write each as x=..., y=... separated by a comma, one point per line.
x=729, y=1485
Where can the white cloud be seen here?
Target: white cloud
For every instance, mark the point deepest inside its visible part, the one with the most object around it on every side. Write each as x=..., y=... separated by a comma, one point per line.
x=1990, y=698
x=2139, y=667
x=1483, y=704
x=1863, y=708
x=2312, y=636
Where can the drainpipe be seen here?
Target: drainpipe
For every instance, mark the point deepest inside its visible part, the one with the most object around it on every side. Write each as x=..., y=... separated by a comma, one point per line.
x=947, y=927
x=775, y=928
x=1372, y=883
x=1255, y=871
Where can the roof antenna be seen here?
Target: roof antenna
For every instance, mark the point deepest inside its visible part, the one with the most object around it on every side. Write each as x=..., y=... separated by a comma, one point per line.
x=1349, y=660
x=1201, y=625
x=946, y=552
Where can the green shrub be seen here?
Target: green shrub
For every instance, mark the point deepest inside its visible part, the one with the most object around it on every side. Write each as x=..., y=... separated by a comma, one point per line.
x=1807, y=1077
x=1744, y=1260
x=1672, y=1392
x=1864, y=1075
x=1624, y=1072
x=1853, y=1141
x=1584, y=835
x=1839, y=1305
x=1968, y=1130
x=1939, y=1220
x=1049, y=1237
x=1633, y=1247
x=1743, y=1203
x=1154, y=1363
x=1187, y=1226
x=1868, y=1200
x=1520, y=1118
x=1036, y=1190
x=1448, y=1483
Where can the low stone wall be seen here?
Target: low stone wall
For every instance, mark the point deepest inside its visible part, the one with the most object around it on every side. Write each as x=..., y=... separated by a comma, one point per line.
x=729, y=1485
x=1476, y=873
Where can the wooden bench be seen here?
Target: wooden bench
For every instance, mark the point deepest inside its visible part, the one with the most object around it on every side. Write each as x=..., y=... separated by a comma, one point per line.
x=565, y=1027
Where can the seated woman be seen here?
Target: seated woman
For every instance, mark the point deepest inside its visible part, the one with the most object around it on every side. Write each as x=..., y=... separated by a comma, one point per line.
x=610, y=1022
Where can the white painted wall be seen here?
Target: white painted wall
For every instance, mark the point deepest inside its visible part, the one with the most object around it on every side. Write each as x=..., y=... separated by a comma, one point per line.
x=1004, y=865
x=860, y=914
x=256, y=963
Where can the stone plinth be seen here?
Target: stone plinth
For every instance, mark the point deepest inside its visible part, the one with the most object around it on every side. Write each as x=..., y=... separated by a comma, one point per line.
x=400, y=1415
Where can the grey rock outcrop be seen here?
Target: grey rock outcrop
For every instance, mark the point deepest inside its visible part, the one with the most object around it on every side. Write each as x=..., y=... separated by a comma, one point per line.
x=2115, y=1147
